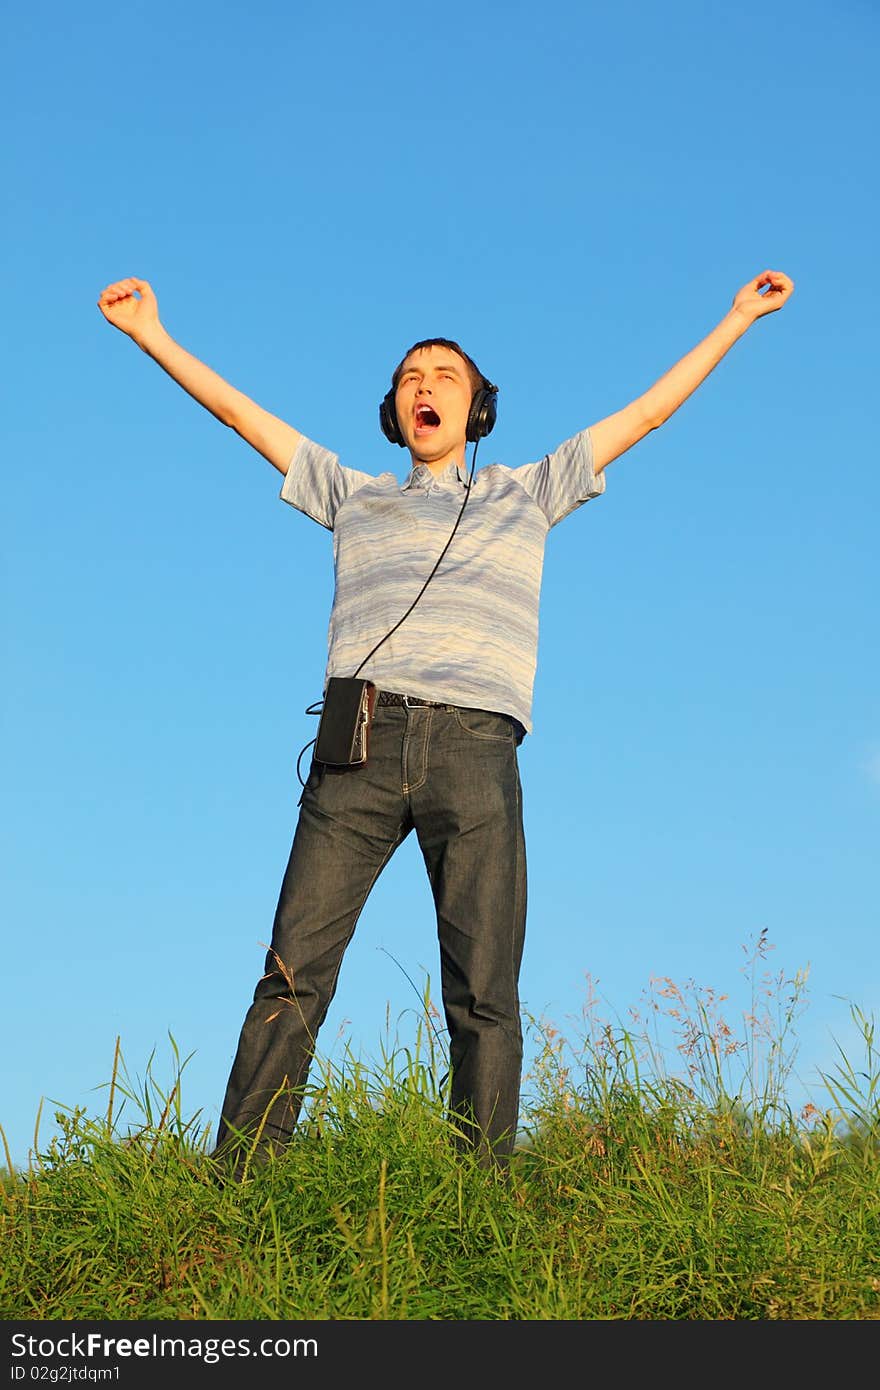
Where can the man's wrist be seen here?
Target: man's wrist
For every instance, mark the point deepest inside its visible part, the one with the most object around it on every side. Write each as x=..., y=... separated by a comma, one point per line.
x=150, y=337
x=743, y=317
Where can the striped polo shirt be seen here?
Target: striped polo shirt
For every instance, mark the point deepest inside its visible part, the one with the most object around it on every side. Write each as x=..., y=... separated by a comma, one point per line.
x=472, y=637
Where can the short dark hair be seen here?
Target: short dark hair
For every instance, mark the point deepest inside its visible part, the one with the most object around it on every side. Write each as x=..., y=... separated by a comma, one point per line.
x=478, y=381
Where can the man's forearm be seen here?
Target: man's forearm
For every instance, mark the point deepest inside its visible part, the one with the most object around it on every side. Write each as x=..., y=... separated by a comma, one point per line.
x=199, y=380
x=667, y=394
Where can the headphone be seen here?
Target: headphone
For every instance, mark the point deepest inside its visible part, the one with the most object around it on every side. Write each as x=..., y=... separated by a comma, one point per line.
x=481, y=417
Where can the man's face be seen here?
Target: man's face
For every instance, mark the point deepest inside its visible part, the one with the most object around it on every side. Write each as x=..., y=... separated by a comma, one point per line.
x=433, y=401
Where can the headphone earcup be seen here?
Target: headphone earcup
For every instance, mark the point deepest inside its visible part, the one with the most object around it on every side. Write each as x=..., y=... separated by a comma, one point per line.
x=483, y=412
x=388, y=420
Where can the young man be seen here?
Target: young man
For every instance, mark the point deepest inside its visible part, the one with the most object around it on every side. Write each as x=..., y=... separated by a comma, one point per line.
x=454, y=690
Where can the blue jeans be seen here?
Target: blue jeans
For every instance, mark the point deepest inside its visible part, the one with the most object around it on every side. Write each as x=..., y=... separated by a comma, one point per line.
x=453, y=775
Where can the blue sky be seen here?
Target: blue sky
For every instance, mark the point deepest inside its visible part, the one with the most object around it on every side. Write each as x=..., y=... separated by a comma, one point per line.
x=576, y=193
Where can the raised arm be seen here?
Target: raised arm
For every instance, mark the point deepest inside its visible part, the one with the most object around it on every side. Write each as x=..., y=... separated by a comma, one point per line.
x=131, y=306
x=612, y=436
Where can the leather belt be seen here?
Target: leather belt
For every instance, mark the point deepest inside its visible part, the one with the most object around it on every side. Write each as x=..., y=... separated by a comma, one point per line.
x=391, y=697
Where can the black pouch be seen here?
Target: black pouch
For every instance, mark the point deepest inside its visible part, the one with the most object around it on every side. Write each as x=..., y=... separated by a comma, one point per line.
x=344, y=726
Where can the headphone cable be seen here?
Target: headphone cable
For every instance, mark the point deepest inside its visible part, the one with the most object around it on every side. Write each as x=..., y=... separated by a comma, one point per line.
x=317, y=706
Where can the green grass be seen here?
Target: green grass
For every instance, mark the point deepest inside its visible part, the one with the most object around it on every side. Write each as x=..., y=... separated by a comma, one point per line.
x=639, y=1189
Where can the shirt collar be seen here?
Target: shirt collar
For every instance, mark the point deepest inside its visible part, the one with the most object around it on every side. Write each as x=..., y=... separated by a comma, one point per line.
x=421, y=477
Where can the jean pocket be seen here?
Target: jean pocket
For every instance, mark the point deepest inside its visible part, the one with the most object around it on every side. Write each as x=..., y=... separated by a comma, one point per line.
x=484, y=723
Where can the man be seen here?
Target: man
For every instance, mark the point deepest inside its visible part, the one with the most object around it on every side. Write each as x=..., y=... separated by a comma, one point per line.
x=453, y=662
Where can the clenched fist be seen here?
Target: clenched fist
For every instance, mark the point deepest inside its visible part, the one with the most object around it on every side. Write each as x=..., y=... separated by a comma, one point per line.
x=749, y=300
x=120, y=305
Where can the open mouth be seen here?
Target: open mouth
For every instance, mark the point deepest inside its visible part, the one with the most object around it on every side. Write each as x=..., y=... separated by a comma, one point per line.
x=427, y=419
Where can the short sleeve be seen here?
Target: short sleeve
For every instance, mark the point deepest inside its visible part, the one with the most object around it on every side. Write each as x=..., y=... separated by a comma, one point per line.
x=317, y=484
x=563, y=480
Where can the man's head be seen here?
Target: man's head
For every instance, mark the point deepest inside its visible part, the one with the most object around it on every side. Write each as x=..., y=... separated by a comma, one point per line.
x=430, y=407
